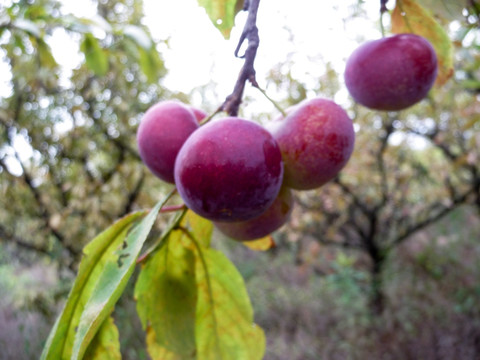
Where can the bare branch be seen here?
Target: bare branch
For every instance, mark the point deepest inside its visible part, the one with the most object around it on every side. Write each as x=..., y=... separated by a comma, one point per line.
x=5, y=235
x=436, y=211
x=133, y=195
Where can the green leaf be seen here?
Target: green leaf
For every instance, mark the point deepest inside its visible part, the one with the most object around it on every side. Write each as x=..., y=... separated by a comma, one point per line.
x=27, y=26
x=45, y=55
x=95, y=57
x=105, y=345
x=139, y=36
x=60, y=341
x=225, y=327
x=116, y=269
x=108, y=263
x=409, y=17
x=166, y=296
x=222, y=13
x=150, y=63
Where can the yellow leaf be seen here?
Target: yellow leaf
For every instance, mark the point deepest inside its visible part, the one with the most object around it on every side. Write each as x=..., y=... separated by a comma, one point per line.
x=409, y=17
x=159, y=352
x=222, y=13
x=105, y=345
x=224, y=326
x=262, y=244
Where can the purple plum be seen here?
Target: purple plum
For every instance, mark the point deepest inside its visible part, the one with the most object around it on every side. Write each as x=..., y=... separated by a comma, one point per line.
x=391, y=73
x=230, y=169
x=163, y=130
x=316, y=140
x=272, y=219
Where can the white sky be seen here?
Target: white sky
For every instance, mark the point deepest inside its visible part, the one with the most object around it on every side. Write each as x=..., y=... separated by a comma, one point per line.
x=198, y=54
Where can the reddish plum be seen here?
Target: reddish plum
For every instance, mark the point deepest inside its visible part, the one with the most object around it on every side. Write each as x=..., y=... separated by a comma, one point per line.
x=316, y=140
x=162, y=132
x=229, y=170
x=392, y=73
x=272, y=219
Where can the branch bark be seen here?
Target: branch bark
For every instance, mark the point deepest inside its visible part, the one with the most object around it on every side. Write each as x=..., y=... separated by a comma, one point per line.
x=247, y=73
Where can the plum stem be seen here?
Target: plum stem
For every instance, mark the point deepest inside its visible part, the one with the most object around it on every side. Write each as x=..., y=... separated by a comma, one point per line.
x=383, y=9
x=383, y=6
x=247, y=73
x=172, y=208
x=277, y=106
x=210, y=117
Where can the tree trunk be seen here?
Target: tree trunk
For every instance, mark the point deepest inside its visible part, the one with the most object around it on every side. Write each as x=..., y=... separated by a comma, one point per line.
x=377, y=296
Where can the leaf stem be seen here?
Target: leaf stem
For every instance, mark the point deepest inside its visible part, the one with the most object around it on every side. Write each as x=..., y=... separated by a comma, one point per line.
x=383, y=9
x=166, y=233
x=172, y=208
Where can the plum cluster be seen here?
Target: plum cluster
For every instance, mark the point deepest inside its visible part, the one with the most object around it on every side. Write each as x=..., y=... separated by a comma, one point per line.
x=239, y=174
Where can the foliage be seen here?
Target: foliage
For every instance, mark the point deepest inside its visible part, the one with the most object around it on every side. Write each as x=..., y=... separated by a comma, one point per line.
x=73, y=128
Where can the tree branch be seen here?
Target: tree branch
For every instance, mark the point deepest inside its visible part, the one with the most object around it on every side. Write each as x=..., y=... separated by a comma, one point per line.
x=388, y=127
x=5, y=235
x=247, y=73
x=440, y=213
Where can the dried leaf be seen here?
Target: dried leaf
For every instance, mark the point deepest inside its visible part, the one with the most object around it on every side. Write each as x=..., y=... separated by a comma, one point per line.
x=409, y=17
x=262, y=244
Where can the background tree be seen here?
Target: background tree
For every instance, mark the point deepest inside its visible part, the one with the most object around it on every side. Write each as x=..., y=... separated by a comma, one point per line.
x=68, y=163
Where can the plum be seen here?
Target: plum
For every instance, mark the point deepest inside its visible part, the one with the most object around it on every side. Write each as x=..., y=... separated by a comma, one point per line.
x=199, y=113
x=316, y=140
x=230, y=169
x=272, y=219
x=391, y=73
x=163, y=130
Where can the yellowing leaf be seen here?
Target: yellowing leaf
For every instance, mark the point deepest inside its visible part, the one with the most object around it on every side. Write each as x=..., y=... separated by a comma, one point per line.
x=105, y=345
x=222, y=14
x=193, y=302
x=450, y=10
x=409, y=17
x=262, y=244
x=166, y=296
x=166, y=292
x=225, y=327
x=157, y=351
x=201, y=227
